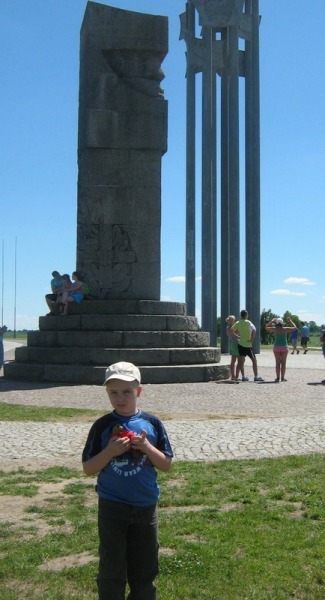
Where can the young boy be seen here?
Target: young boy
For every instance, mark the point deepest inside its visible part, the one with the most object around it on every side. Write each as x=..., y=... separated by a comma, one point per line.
x=125, y=447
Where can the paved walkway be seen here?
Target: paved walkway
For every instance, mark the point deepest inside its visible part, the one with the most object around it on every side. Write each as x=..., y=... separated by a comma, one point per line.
x=205, y=421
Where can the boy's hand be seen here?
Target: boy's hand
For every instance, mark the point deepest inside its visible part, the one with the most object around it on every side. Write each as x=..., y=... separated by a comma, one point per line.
x=140, y=442
x=119, y=445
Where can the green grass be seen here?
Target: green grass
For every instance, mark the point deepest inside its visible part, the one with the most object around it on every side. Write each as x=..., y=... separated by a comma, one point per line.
x=20, y=412
x=231, y=530
x=313, y=344
x=20, y=335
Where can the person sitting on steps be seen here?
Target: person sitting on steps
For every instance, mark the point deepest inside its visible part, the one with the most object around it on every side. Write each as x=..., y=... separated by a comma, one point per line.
x=75, y=293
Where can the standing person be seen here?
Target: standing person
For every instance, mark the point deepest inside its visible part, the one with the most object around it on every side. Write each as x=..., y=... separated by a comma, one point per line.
x=246, y=332
x=3, y=330
x=233, y=349
x=280, y=345
x=294, y=340
x=56, y=286
x=125, y=447
x=304, y=336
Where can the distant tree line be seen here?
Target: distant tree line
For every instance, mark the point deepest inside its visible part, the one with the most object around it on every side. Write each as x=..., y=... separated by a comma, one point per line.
x=267, y=315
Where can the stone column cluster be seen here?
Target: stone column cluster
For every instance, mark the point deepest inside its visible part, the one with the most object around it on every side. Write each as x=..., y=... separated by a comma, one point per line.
x=227, y=49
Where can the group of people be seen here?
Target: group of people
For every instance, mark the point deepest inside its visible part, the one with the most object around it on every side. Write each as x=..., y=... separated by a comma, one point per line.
x=303, y=335
x=241, y=335
x=65, y=291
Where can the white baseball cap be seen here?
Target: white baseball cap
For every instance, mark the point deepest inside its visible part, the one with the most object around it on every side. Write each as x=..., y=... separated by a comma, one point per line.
x=124, y=371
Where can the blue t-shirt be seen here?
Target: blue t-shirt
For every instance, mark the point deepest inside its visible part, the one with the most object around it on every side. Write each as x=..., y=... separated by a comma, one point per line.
x=129, y=478
x=56, y=285
x=294, y=334
x=305, y=331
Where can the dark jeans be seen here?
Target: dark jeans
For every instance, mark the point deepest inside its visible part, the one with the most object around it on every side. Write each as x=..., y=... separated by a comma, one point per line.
x=128, y=551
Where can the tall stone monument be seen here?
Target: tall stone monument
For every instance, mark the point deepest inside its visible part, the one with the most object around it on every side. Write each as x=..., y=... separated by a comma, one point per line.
x=122, y=136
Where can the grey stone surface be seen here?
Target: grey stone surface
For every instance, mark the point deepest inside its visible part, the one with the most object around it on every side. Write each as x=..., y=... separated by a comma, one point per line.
x=205, y=421
x=122, y=136
x=76, y=347
x=105, y=356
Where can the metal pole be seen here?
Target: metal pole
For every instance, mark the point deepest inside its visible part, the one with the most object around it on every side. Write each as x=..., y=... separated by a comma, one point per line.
x=3, y=280
x=15, y=295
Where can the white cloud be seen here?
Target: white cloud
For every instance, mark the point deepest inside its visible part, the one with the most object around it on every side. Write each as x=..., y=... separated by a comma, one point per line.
x=287, y=293
x=299, y=281
x=176, y=279
x=181, y=279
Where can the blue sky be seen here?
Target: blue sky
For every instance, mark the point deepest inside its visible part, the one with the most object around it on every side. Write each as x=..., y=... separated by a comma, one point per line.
x=39, y=67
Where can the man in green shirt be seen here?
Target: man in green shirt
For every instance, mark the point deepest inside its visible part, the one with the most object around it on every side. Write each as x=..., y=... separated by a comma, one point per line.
x=246, y=331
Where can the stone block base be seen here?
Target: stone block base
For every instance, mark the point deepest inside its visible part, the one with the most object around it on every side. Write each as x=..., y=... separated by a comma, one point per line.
x=166, y=344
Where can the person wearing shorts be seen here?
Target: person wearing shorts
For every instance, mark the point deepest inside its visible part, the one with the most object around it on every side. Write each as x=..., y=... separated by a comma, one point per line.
x=233, y=349
x=280, y=345
x=294, y=340
x=246, y=331
x=304, y=336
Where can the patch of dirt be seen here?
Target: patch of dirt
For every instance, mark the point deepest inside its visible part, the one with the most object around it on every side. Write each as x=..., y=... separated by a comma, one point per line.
x=67, y=562
x=229, y=506
x=299, y=511
x=15, y=509
x=167, y=551
x=175, y=483
x=25, y=590
x=221, y=509
x=174, y=509
x=193, y=539
x=37, y=464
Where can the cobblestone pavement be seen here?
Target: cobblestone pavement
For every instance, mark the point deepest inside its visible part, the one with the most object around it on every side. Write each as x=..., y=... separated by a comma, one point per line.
x=205, y=421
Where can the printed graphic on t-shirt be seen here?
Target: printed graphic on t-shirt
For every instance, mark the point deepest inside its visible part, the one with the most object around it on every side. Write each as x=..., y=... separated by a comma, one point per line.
x=128, y=467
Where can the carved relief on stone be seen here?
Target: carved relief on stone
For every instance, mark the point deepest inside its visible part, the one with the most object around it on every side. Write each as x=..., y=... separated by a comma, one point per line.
x=138, y=69
x=106, y=255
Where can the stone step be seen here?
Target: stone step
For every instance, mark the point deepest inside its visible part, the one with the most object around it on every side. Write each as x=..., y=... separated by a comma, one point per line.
x=115, y=307
x=107, y=356
x=159, y=337
x=94, y=375
x=118, y=339
x=118, y=322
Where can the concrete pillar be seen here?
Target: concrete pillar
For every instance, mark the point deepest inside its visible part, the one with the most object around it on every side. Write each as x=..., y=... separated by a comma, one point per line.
x=252, y=145
x=190, y=169
x=208, y=187
x=225, y=208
